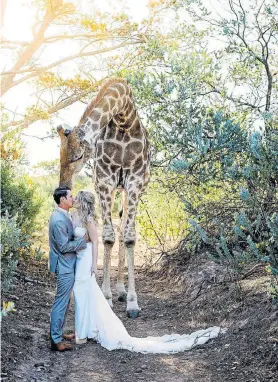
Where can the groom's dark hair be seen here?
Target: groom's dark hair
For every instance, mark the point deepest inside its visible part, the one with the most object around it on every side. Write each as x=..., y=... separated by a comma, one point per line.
x=59, y=192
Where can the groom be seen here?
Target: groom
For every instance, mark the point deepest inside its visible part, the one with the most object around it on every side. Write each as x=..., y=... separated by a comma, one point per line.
x=62, y=258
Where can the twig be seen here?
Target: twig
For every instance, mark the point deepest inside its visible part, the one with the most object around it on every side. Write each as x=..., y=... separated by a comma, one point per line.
x=40, y=138
x=248, y=273
x=197, y=295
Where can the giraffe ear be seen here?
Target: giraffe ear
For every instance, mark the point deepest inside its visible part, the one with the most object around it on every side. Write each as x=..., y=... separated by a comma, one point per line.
x=60, y=130
x=64, y=130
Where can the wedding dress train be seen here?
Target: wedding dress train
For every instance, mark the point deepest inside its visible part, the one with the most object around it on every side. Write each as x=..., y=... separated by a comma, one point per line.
x=95, y=319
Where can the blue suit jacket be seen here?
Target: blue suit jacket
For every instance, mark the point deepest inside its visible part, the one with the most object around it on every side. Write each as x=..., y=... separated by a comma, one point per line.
x=62, y=246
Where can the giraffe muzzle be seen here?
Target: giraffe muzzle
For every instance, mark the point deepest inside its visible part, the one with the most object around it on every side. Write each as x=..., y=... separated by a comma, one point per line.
x=77, y=159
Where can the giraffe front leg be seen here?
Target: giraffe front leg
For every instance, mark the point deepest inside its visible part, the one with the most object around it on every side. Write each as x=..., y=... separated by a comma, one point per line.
x=108, y=236
x=106, y=288
x=129, y=240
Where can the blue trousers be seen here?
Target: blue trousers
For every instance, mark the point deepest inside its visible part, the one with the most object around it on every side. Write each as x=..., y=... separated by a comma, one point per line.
x=58, y=314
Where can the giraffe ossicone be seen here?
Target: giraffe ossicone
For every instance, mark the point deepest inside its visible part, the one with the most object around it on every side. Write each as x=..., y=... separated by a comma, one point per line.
x=112, y=135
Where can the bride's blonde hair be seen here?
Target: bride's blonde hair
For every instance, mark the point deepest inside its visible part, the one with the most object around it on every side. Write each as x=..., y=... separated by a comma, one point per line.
x=87, y=208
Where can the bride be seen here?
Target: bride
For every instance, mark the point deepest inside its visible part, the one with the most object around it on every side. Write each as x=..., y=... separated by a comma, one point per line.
x=93, y=316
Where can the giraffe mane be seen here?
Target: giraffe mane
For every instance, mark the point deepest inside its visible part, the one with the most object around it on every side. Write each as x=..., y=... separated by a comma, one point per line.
x=101, y=93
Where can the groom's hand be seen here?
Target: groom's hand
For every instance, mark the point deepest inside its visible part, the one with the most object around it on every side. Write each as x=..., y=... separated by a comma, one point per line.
x=87, y=238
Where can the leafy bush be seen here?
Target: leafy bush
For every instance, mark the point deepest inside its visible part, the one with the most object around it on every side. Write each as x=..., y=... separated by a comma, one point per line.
x=249, y=165
x=13, y=244
x=6, y=308
x=18, y=197
x=19, y=207
x=161, y=217
x=235, y=175
x=222, y=168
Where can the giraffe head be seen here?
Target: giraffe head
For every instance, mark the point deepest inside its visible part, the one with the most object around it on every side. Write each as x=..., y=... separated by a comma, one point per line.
x=73, y=155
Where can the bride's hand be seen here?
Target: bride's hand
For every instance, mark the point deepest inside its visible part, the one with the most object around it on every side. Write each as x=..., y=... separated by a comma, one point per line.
x=93, y=271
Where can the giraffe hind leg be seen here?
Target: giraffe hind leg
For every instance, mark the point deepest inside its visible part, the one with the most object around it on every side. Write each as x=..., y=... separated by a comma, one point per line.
x=120, y=286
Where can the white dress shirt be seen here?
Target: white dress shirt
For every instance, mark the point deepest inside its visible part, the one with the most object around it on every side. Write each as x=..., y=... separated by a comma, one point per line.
x=65, y=212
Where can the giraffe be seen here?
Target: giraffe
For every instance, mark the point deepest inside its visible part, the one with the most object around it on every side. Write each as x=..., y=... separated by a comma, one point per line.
x=111, y=133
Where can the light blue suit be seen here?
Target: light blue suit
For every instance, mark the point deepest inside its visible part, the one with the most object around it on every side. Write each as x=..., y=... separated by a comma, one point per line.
x=62, y=259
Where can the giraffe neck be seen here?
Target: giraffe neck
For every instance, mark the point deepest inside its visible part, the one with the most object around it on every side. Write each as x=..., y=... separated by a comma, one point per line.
x=115, y=103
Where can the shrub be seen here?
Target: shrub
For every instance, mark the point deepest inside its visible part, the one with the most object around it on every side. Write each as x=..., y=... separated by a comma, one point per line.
x=19, y=207
x=18, y=197
x=161, y=217
x=243, y=226
x=13, y=244
x=6, y=308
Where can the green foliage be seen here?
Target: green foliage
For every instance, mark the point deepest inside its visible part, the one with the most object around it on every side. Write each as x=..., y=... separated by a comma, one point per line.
x=36, y=113
x=219, y=163
x=49, y=80
x=12, y=150
x=19, y=205
x=50, y=167
x=18, y=197
x=38, y=253
x=161, y=217
x=13, y=244
x=244, y=166
x=6, y=308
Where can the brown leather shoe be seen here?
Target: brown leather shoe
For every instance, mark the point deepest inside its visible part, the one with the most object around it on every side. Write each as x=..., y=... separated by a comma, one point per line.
x=61, y=346
x=69, y=337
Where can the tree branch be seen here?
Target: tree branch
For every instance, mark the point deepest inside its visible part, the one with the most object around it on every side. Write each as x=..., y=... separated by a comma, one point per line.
x=69, y=58
x=14, y=42
x=235, y=100
x=27, y=121
x=7, y=82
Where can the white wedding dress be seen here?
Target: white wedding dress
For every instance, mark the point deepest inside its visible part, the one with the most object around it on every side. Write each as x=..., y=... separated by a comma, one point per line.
x=95, y=319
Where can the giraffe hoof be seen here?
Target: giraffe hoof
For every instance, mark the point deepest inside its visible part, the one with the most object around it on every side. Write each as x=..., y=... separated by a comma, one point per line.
x=122, y=297
x=132, y=313
x=108, y=241
x=130, y=242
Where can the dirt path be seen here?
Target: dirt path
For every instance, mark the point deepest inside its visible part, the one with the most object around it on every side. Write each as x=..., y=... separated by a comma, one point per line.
x=248, y=352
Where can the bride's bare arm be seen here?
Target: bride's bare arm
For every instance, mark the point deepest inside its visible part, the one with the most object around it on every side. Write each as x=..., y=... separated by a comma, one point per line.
x=93, y=235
